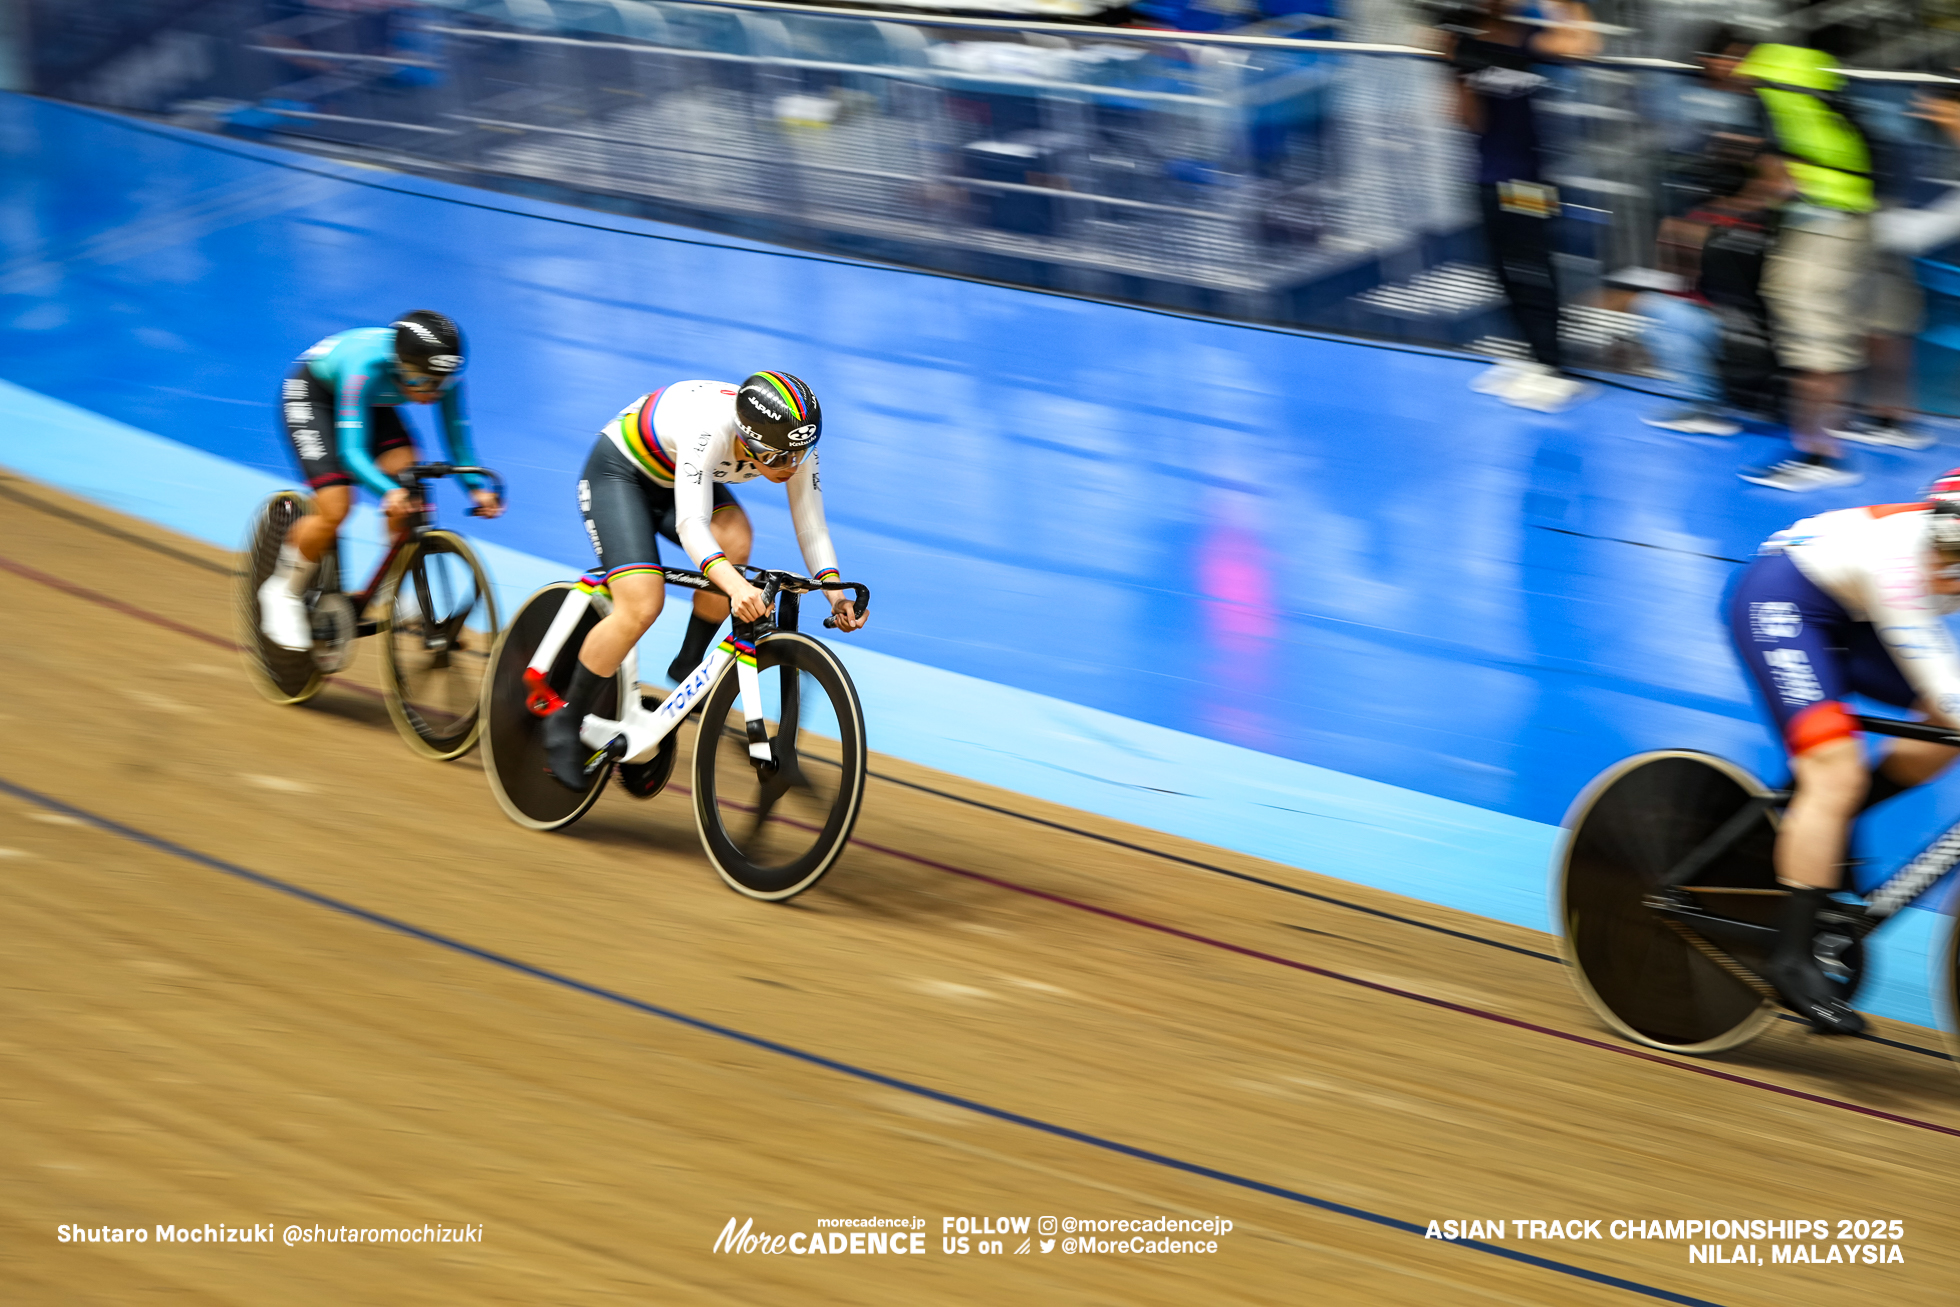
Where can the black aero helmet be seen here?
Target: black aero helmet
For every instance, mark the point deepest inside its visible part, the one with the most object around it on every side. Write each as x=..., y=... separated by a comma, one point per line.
x=778, y=415
x=429, y=343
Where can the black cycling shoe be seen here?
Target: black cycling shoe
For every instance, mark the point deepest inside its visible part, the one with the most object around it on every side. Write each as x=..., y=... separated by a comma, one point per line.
x=1809, y=993
x=571, y=760
x=1799, y=975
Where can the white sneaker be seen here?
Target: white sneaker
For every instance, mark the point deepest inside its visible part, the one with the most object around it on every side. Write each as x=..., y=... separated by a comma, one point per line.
x=1501, y=376
x=1800, y=474
x=282, y=616
x=1885, y=433
x=1545, y=391
x=1693, y=420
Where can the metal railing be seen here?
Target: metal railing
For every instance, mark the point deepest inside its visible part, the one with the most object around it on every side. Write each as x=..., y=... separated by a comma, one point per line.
x=1315, y=182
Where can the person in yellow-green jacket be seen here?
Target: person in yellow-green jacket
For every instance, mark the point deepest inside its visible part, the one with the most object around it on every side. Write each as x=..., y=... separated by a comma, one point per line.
x=1822, y=280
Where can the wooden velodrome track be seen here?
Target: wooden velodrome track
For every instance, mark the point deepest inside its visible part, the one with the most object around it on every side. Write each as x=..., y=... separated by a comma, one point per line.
x=993, y=1008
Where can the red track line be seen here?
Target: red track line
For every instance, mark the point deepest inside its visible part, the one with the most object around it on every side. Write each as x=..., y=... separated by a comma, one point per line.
x=1463, y=1008
x=127, y=610
x=144, y=615
x=34, y=574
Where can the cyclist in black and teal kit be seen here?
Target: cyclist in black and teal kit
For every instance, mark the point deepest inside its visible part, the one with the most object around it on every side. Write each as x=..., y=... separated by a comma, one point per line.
x=338, y=406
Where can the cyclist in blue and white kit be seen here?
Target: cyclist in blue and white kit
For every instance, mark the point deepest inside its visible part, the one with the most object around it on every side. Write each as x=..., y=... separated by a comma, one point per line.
x=1847, y=602
x=338, y=408
x=662, y=467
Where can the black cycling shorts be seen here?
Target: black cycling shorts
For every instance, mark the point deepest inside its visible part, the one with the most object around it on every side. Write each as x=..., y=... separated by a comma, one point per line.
x=626, y=513
x=306, y=409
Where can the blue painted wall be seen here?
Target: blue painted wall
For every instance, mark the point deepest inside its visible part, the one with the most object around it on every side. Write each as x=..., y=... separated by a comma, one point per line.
x=1325, y=550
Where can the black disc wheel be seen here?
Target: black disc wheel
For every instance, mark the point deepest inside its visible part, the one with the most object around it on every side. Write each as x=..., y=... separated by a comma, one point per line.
x=513, y=747
x=281, y=675
x=773, y=829
x=1643, y=975
x=438, y=624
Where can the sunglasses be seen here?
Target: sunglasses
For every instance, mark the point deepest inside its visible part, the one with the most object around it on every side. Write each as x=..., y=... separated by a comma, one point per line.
x=413, y=380
x=768, y=457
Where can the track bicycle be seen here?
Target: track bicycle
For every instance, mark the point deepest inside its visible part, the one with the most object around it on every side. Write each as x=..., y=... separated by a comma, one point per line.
x=774, y=806
x=1667, y=899
x=432, y=605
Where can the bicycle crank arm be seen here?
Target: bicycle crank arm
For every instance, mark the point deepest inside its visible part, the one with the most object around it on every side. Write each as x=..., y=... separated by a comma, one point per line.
x=1688, y=924
x=1726, y=931
x=613, y=751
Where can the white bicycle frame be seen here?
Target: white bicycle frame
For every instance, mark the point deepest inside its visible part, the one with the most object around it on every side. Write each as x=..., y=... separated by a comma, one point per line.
x=645, y=730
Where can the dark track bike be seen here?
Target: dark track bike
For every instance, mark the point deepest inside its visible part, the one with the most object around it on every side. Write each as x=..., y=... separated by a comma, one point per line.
x=775, y=799
x=432, y=605
x=1667, y=899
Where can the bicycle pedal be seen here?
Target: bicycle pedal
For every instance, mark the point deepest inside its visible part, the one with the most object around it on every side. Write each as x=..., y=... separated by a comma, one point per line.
x=333, y=623
x=539, y=697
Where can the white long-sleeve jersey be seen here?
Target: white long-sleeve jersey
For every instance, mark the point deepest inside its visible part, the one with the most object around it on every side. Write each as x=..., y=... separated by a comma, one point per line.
x=1874, y=562
x=684, y=436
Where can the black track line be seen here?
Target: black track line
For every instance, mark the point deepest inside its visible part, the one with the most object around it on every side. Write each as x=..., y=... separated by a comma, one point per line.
x=131, y=610
x=563, y=981
x=128, y=537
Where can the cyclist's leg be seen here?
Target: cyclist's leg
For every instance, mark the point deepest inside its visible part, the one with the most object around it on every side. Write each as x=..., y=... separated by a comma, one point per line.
x=1795, y=641
x=333, y=486
x=306, y=413
x=1904, y=763
x=621, y=510
x=1793, y=638
x=637, y=598
x=736, y=538
x=1908, y=763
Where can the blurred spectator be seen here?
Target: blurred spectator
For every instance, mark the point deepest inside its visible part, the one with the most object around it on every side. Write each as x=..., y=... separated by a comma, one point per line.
x=1712, y=338
x=1497, y=50
x=1885, y=413
x=1701, y=116
x=1821, y=279
x=1918, y=231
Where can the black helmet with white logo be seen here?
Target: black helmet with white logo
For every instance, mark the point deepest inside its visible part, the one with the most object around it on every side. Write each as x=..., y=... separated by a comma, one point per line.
x=778, y=415
x=427, y=344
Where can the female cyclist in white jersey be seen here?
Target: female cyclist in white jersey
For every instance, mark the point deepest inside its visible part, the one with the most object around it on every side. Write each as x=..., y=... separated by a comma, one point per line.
x=1848, y=602
x=663, y=468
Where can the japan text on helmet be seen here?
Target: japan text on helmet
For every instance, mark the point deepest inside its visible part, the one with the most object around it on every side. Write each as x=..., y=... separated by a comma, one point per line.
x=428, y=344
x=778, y=415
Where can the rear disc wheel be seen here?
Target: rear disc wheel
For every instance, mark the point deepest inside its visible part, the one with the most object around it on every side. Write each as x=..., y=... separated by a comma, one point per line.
x=513, y=746
x=1639, y=973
